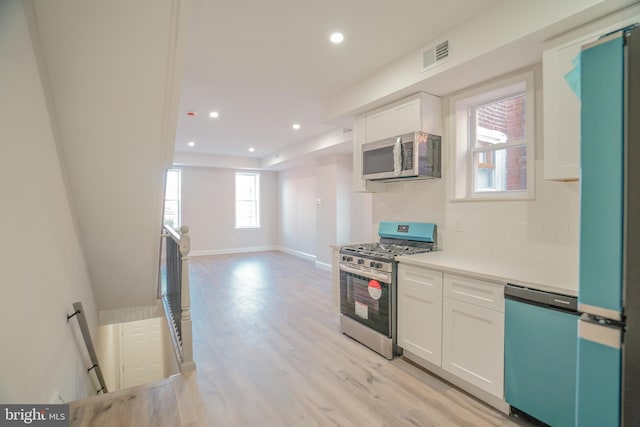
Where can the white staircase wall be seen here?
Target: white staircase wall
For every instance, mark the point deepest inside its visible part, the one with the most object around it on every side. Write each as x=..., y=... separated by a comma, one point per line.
x=114, y=71
x=43, y=268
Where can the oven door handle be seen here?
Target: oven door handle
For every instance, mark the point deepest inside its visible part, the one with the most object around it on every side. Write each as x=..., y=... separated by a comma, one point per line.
x=386, y=278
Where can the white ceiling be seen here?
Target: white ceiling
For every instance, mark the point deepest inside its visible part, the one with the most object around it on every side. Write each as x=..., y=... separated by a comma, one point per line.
x=264, y=65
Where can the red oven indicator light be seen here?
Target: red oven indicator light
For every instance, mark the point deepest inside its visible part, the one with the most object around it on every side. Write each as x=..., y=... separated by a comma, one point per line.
x=375, y=290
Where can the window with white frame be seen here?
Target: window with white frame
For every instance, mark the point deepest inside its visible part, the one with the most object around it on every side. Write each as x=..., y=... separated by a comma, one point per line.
x=494, y=147
x=247, y=200
x=172, y=199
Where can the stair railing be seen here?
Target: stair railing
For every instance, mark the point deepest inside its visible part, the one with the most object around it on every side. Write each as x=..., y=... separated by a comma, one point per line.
x=78, y=313
x=176, y=294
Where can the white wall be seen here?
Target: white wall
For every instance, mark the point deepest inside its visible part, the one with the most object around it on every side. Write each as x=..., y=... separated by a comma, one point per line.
x=114, y=72
x=361, y=228
x=208, y=208
x=502, y=38
x=291, y=219
x=297, y=210
x=326, y=218
x=41, y=258
x=107, y=342
x=543, y=231
x=341, y=217
x=419, y=201
x=345, y=203
x=333, y=181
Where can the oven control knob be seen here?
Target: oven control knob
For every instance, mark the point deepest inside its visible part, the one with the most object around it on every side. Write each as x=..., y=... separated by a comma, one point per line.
x=349, y=259
x=360, y=261
x=378, y=265
x=372, y=264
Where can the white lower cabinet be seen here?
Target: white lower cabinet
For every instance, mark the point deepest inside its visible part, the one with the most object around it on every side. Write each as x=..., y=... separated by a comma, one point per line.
x=473, y=344
x=420, y=312
x=455, y=323
x=473, y=332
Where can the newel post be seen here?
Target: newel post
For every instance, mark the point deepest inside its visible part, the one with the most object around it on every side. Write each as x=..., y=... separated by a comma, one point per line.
x=187, y=339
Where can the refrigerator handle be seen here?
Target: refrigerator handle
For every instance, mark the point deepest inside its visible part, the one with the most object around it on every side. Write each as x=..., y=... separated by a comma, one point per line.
x=591, y=329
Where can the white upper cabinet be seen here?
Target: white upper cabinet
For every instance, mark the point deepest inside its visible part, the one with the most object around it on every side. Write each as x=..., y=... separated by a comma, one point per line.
x=561, y=105
x=378, y=125
x=419, y=112
x=359, y=184
x=407, y=117
x=561, y=112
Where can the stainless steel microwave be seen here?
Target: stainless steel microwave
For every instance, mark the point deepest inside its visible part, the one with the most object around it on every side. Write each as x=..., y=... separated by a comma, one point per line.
x=415, y=155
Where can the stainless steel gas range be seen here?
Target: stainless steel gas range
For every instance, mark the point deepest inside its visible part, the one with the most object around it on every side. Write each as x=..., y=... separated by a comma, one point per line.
x=368, y=282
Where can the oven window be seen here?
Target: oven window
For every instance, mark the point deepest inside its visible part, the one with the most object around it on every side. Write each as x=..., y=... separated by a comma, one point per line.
x=367, y=301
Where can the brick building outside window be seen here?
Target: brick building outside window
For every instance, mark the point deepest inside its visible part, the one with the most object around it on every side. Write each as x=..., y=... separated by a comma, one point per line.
x=494, y=140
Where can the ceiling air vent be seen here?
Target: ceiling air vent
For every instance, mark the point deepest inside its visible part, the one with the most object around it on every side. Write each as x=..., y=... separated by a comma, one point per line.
x=435, y=55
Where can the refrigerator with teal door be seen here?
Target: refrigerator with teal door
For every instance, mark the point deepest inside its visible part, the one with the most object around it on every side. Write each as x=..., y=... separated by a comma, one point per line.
x=608, y=369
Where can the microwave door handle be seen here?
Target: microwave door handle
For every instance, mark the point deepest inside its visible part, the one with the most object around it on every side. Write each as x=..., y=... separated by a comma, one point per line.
x=397, y=157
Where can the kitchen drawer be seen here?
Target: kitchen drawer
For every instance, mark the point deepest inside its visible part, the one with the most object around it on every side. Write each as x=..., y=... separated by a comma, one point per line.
x=473, y=291
x=428, y=280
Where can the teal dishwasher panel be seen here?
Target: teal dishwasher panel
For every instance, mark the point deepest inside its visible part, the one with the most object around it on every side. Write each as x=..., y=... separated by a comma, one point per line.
x=540, y=362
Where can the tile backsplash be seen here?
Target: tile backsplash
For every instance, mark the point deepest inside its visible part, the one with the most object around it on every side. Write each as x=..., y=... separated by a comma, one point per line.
x=542, y=231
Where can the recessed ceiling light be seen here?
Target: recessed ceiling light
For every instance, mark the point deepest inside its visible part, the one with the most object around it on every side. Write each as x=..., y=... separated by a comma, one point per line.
x=214, y=114
x=191, y=143
x=336, y=38
x=296, y=126
x=252, y=149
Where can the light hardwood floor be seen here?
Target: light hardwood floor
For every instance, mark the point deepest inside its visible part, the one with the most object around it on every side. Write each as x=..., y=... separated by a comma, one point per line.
x=268, y=353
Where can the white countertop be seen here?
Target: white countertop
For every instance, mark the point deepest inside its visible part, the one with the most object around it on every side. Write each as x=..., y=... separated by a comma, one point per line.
x=544, y=275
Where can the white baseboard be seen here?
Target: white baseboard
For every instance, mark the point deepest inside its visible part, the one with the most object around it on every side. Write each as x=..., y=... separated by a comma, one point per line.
x=289, y=251
x=297, y=253
x=233, y=250
x=323, y=265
